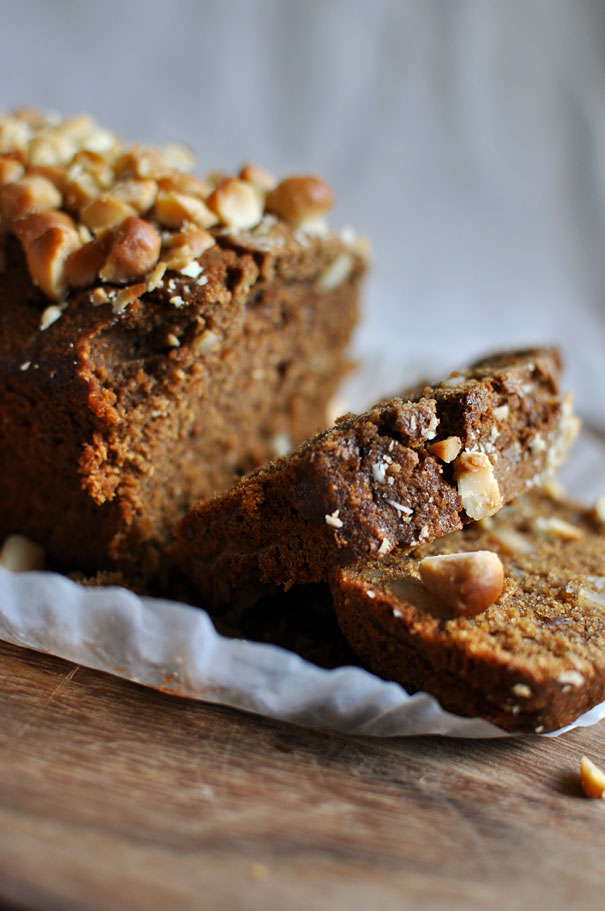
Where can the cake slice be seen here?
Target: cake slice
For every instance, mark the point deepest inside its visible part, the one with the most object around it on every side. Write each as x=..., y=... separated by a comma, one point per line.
x=534, y=659
x=160, y=335
x=406, y=471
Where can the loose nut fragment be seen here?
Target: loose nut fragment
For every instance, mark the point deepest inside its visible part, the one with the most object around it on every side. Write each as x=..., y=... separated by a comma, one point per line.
x=468, y=583
x=553, y=527
x=258, y=176
x=135, y=249
x=447, y=449
x=173, y=210
x=28, y=194
x=592, y=778
x=302, y=200
x=127, y=296
x=238, y=204
x=19, y=554
x=477, y=485
x=599, y=509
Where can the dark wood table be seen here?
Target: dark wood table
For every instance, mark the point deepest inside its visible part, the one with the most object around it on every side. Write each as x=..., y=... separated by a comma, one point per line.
x=115, y=796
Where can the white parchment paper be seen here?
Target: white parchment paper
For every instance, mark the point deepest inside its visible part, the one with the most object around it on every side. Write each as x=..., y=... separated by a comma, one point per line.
x=175, y=648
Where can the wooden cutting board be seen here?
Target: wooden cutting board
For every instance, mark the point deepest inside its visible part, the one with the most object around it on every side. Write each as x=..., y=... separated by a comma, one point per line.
x=114, y=796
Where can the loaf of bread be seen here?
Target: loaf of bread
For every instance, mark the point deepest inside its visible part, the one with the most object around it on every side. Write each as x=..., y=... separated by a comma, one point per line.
x=406, y=471
x=160, y=335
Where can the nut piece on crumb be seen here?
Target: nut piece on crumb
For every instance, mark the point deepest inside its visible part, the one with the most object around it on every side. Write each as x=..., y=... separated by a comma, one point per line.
x=302, y=200
x=477, y=485
x=447, y=449
x=135, y=249
x=592, y=778
x=553, y=527
x=19, y=554
x=468, y=583
x=599, y=508
x=237, y=203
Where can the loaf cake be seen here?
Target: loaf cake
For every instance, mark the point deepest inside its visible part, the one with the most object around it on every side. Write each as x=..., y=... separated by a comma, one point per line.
x=532, y=661
x=160, y=335
x=406, y=471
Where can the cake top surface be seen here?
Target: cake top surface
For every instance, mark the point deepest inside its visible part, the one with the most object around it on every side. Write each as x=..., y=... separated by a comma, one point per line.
x=93, y=212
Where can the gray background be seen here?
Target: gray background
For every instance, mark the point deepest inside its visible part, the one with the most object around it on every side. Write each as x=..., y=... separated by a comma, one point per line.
x=466, y=138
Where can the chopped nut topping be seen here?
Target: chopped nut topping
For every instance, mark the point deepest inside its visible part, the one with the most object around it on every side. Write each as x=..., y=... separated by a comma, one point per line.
x=10, y=170
x=74, y=166
x=26, y=195
x=135, y=250
x=467, y=582
x=47, y=255
x=105, y=212
x=592, y=778
x=599, y=508
x=477, y=485
x=258, y=176
x=447, y=449
x=176, y=209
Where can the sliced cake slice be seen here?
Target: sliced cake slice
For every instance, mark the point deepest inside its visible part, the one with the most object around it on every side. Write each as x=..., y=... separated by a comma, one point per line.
x=406, y=471
x=530, y=657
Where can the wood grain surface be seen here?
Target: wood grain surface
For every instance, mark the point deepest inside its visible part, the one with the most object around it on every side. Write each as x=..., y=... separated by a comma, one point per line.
x=114, y=796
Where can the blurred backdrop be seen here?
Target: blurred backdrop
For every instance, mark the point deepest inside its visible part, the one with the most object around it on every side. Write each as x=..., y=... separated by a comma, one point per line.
x=465, y=138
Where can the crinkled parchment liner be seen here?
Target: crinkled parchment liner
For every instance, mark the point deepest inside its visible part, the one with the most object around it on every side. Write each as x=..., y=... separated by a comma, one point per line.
x=176, y=649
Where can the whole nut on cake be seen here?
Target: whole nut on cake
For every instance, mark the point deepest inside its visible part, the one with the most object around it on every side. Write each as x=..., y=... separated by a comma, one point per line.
x=477, y=485
x=468, y=583
x=135, y=250
x=175, y=209
x=302, y=200
x=237, y=203
x=261, y=178
x=48, y=239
